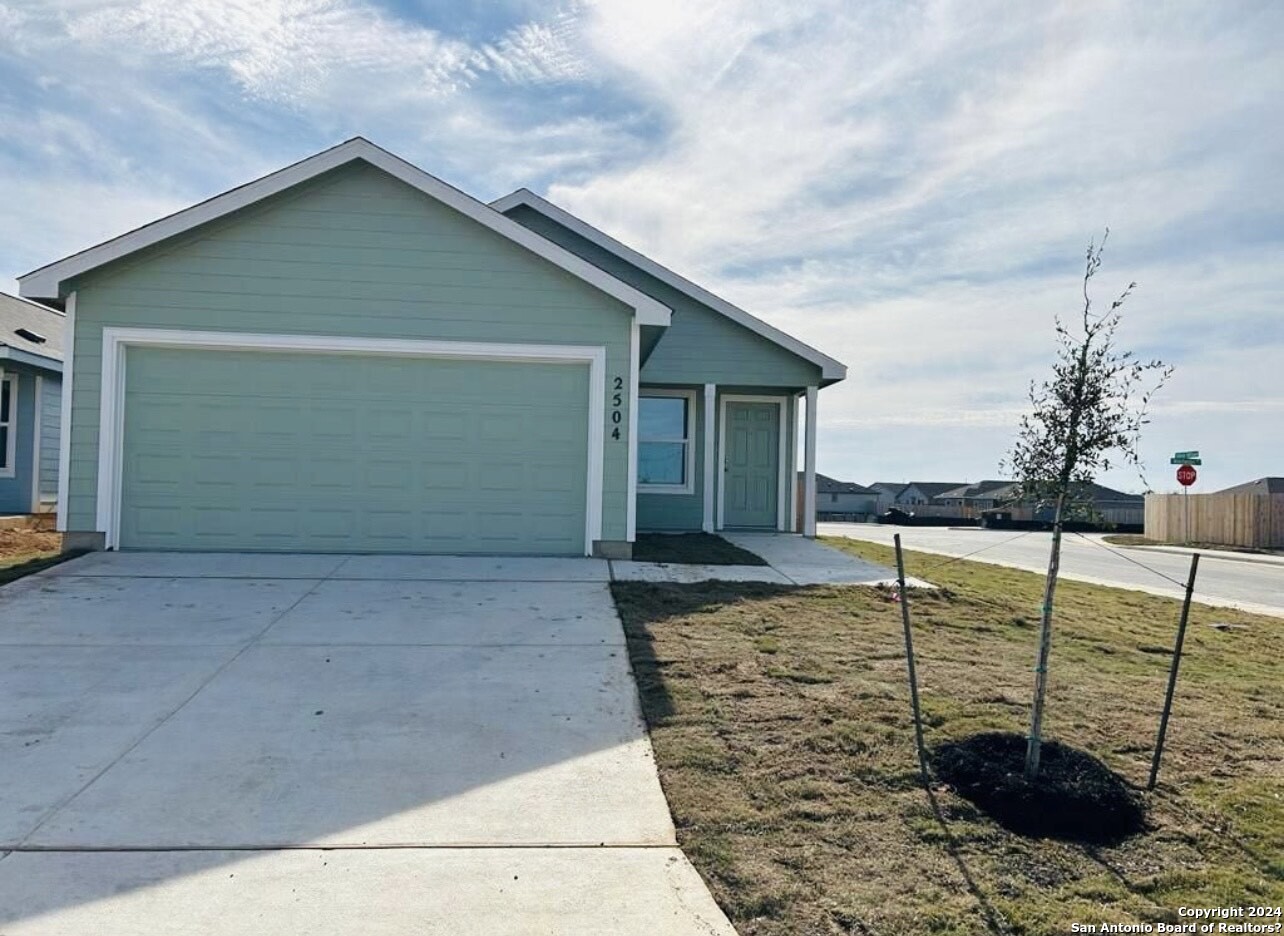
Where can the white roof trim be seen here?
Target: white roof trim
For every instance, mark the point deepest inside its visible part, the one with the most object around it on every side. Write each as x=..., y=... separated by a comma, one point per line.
x=46, y=282
x=831, y=370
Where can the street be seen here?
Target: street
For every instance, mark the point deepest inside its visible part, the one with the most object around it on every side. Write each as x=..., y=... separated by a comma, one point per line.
x=1252, y=583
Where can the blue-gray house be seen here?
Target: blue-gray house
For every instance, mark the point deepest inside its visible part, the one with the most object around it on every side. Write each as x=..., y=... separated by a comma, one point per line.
x=349, y=355
x=30, y=405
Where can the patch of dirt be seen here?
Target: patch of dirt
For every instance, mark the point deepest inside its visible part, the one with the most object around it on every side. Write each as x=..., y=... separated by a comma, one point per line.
x=692, y=549
x=1075, y=798
x=26, y=544
x=25, y=551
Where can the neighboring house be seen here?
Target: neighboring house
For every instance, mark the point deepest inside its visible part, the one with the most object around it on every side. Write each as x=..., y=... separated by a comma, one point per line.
x=843, y=500
x=886, y=491
x=349, y=355
x=30, y=405
x=1115, y=508
x=983, y=495
x=922, y=493
x=1260, y=486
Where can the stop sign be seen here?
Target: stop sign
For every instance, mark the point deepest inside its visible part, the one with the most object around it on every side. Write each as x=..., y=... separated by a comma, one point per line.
x=1186, y=475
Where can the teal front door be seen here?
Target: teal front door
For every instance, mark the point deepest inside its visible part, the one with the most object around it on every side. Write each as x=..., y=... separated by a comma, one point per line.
x=751, y=463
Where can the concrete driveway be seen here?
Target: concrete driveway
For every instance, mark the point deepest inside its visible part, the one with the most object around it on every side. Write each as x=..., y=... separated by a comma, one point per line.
x=328, y=744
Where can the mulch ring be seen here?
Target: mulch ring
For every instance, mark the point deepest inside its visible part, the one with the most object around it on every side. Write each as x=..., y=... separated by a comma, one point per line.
x=1075, y=798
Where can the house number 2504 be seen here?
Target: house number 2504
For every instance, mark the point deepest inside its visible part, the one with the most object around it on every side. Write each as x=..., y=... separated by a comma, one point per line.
x=617, y=403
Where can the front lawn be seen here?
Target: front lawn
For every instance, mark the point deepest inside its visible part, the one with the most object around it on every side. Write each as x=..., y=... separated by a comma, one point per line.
x=780, y=719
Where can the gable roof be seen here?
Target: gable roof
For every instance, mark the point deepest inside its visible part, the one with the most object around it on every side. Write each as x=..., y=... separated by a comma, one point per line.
x=828, y=485
x=1260, y=486
x=22, y=324
x=46, y=282
x=831, y=370
x=888, y=487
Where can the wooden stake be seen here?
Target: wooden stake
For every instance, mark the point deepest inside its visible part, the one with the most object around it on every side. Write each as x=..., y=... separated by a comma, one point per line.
x=909, y=658
x=1172, y=674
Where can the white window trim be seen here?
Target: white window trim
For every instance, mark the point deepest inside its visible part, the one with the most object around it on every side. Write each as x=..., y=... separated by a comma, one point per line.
x=688, y=473
x=111, y=414
x=782, y=482
x=10, y=469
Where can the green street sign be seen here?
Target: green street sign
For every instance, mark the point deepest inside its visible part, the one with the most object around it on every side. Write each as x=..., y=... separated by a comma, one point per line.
x=1184, y=461
x=1183, y=455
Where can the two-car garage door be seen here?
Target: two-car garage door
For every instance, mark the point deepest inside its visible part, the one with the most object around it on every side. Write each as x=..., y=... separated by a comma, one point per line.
x=254, y=450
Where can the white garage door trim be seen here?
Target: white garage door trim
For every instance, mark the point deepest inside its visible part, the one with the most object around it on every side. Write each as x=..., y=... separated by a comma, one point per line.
x=112, y=409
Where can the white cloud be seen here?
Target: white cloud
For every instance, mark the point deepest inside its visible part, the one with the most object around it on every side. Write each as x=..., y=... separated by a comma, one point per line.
x=313, y=55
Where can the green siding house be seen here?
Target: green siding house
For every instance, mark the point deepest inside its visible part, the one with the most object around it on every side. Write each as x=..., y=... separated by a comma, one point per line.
x=349, y=355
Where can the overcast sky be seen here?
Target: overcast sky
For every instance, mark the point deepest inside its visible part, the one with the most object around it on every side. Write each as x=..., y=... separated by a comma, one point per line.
x=909, y=186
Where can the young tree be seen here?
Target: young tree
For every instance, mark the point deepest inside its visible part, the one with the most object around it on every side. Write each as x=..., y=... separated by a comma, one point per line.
x=1086, y=419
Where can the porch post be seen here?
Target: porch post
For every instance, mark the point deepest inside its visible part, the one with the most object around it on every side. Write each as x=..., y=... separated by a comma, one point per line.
x=809, y=470
x=792, y=526
x=710, y=473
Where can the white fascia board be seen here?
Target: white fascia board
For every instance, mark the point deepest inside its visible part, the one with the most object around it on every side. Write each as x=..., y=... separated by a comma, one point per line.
x=831, y=370
x=46, y=282
x=26, y=357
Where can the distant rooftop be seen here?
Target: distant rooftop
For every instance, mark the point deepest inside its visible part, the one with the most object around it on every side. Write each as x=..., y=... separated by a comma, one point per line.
x=1260, y=486
x=30, y=328
x=828, y=485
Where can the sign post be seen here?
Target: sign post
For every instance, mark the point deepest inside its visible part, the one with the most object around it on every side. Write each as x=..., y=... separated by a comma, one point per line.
x=1186, y=476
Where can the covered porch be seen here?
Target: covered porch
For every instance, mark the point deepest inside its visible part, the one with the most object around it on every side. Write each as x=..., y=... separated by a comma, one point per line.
x=713, y=457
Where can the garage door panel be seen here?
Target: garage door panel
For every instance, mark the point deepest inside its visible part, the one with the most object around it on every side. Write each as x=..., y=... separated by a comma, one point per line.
x=329, y=524
x=253, y=450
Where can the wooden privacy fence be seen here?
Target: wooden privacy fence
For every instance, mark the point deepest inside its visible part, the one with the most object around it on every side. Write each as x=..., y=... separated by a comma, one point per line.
x=1252, y=520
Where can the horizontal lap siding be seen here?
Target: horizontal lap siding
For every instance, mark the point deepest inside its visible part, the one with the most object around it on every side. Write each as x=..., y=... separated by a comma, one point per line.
x=353, y=253
x=50, y=434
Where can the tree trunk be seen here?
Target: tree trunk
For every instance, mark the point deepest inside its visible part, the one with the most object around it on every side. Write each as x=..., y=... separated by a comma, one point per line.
x=1035, y=740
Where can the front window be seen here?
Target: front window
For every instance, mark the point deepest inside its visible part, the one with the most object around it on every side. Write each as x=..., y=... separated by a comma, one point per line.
x=664, y=441
x=8, y=432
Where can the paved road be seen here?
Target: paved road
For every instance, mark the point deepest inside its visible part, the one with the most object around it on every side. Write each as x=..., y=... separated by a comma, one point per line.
x=1252, y=585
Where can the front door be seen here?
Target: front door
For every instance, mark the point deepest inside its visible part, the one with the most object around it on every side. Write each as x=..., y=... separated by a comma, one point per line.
x=751, y=465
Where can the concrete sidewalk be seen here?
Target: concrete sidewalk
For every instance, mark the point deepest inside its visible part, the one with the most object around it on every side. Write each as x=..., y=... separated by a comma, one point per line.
x=792, y=560
x=329, y=745
x=1224, y=554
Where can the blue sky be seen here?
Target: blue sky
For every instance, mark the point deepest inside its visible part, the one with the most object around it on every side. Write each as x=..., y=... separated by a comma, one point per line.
x=907, y=185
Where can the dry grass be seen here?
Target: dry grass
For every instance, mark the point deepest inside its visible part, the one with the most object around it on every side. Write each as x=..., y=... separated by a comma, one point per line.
x=780, y=720
x=25, y=551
